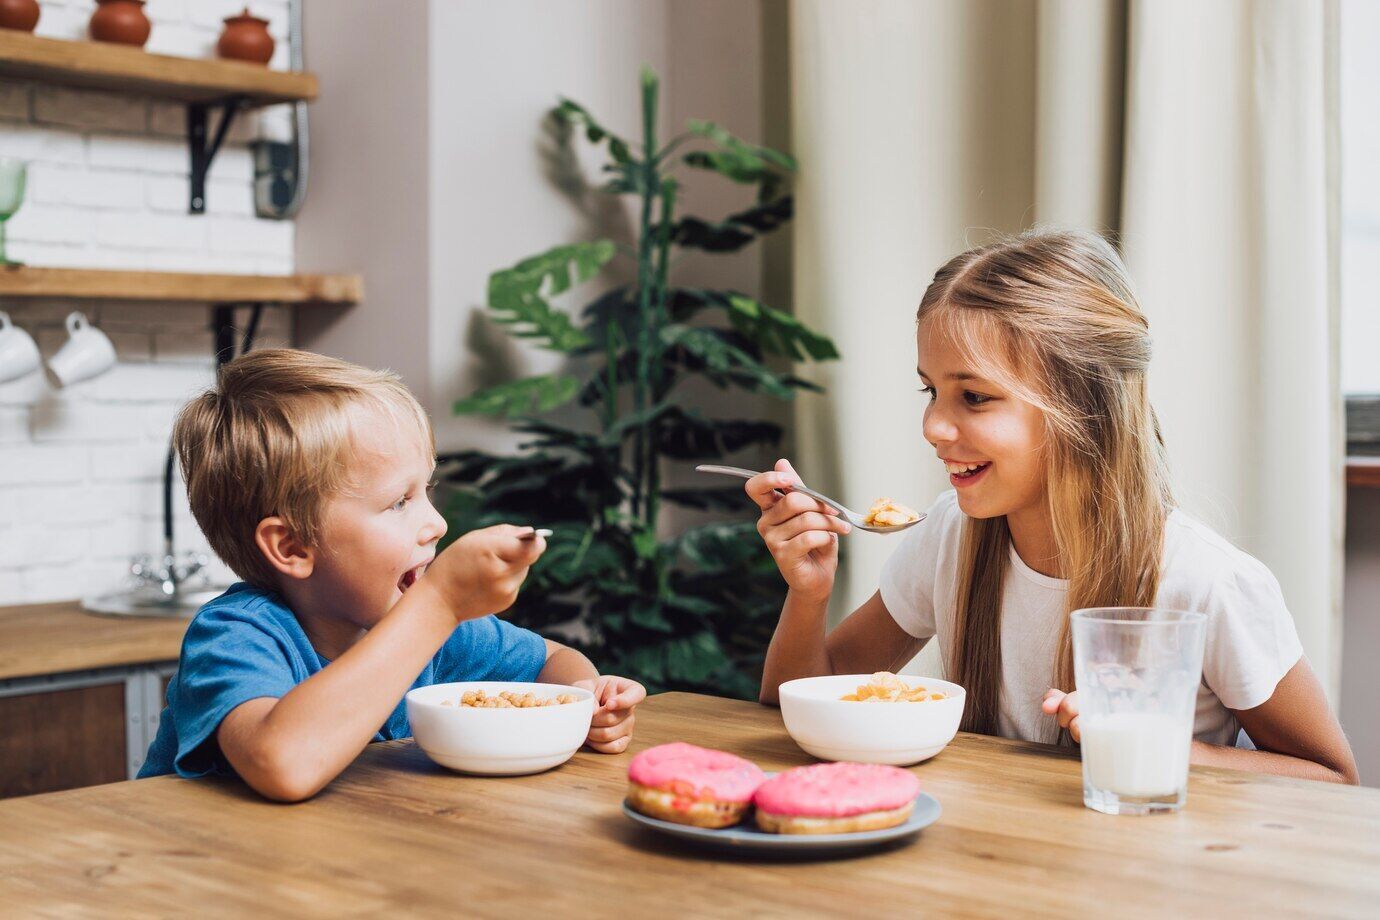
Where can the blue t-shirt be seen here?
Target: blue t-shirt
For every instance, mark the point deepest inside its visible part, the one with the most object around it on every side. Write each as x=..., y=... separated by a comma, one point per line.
x=246, y=644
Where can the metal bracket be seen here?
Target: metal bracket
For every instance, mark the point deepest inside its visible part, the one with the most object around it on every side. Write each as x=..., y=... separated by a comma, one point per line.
x=201, y=151
x=223, y=325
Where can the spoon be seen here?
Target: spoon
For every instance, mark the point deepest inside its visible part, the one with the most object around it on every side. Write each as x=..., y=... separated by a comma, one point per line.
x=852, y=517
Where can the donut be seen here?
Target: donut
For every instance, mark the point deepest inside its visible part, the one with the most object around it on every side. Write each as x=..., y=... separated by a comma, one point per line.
x=835, y=798
x=692, y=785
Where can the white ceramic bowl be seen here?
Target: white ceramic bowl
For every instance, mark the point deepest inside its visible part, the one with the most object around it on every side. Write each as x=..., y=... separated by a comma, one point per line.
x=890, y=733
x=498, y=742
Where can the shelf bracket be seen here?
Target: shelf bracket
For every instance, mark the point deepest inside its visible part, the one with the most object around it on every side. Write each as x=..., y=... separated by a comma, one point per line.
x=223, y=325
x=202, y=151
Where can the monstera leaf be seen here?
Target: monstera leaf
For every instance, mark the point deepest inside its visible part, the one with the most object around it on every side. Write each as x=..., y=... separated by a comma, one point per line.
x=738, y=160
x=574, y=114
x=518, y=296
x=521, y=397
x=723, y=360
x=735, y=231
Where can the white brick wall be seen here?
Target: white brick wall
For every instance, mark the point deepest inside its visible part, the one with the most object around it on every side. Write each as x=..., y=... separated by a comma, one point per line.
x=80, y=469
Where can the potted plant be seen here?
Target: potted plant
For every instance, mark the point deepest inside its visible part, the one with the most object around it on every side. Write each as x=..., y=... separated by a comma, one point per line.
x=690, y=611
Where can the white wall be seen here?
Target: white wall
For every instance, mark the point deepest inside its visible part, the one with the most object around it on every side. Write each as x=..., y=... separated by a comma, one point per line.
x=369, y=195
x=80, y=469
x=1360, y=82
x=456, y=174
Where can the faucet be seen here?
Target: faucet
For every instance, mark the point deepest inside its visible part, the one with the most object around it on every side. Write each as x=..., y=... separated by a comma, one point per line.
x=168, y=573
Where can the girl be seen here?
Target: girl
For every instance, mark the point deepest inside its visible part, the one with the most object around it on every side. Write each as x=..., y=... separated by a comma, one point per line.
x=1033, y=353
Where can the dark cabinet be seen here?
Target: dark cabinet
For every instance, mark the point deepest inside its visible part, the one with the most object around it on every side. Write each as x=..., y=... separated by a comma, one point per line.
x=64, y=731
x=61, y=739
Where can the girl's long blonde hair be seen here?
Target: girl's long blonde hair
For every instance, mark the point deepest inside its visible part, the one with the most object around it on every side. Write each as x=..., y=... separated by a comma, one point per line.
x=1051, y=317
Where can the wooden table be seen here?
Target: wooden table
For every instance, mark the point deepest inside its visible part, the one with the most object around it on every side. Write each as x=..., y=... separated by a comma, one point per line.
x=397, y=835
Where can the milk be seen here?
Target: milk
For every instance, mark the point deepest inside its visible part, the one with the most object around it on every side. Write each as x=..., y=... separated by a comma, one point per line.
x=1136, y=754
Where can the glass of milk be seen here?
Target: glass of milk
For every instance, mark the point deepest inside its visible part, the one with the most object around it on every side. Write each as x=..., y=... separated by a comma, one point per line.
x=1138, y=671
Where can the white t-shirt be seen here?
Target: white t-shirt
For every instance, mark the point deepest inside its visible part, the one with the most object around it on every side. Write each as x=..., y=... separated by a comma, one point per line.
x=1251, y=639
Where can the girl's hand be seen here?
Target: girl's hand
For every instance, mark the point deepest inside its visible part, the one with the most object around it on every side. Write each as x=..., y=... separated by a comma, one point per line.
x=1063, y=706
x=801, y=533
x=615, y=698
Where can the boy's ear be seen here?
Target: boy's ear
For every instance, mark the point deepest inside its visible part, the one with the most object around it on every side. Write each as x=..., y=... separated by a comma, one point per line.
x=282, y=549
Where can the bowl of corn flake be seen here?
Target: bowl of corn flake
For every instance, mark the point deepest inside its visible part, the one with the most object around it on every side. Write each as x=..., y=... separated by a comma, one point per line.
x=499, y=728
x=872, y=718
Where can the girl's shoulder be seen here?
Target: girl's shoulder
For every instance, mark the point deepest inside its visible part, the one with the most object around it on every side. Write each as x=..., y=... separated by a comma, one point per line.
x=1200, y=565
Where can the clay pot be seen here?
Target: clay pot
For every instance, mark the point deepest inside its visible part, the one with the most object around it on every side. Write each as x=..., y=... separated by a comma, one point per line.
x=120, y=21
x=246, y=38
x=20, y=15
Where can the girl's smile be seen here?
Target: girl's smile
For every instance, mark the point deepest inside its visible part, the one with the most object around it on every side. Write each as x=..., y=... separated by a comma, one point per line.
x=962, y=475
x=989, y=439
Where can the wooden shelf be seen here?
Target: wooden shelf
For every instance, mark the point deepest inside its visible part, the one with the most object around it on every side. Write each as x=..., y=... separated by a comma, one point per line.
x=189, y=287
x=1363, y=472
x=120, y=68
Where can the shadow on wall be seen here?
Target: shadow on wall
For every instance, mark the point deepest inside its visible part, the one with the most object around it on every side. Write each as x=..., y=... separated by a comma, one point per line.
x=1361, y=593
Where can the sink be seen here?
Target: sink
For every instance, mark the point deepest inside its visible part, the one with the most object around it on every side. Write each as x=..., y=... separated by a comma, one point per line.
x=149, y=601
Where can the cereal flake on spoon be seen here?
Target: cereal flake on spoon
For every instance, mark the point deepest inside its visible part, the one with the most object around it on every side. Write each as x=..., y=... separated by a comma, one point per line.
x=887, y=513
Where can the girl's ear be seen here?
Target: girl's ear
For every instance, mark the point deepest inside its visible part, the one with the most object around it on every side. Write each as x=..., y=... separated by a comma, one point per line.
x=283, y=550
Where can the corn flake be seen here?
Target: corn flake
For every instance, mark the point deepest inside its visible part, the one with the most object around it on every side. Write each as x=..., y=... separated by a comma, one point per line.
x=886, y=687
x=887, y=513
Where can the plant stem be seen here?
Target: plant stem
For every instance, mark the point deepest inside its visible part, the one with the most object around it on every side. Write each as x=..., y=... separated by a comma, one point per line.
x=645, y=282
x=671, y=147
x=611, y=357
x=668, y=204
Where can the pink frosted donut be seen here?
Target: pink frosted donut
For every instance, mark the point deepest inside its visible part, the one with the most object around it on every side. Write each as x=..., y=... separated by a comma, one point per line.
x=717, y=774
x=832, y=798
x=692, y=785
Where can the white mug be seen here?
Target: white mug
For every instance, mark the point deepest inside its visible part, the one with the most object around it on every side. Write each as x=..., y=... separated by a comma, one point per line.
x=87, y=353
x=18, y=353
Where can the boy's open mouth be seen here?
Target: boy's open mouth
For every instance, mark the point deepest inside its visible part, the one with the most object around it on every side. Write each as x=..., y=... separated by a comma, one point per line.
x=409, y=578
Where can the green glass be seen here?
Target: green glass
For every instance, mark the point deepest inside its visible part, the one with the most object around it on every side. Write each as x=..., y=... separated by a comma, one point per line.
x=13, y=174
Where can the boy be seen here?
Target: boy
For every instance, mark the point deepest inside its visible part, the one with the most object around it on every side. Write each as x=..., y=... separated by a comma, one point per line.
x=309, y=477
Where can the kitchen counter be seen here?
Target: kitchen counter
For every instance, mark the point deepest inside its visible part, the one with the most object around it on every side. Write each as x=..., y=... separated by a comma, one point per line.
x=43, y=639
x=397, y=835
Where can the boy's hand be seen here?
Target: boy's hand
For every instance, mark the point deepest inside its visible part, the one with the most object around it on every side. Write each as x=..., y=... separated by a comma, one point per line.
x=1064, y=706
x=615, y=698
x=480, y=573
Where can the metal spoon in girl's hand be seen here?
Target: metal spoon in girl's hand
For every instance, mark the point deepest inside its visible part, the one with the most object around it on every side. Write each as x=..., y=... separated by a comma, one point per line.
x=884, y=516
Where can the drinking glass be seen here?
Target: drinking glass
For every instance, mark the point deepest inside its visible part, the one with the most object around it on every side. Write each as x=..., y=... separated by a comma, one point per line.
x=12, y=175
x=1138, y=670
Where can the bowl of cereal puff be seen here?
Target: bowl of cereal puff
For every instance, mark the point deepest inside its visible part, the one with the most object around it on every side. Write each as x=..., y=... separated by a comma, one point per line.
x=872, y=718
x=499, y=728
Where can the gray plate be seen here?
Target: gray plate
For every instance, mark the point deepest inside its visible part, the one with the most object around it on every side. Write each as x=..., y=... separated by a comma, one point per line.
x=746, y=836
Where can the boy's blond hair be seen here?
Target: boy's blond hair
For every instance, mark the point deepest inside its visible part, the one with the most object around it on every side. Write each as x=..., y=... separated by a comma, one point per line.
x=273, y=438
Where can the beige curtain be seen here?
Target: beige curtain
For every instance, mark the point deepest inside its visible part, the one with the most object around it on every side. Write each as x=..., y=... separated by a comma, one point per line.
x=1204, y=133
